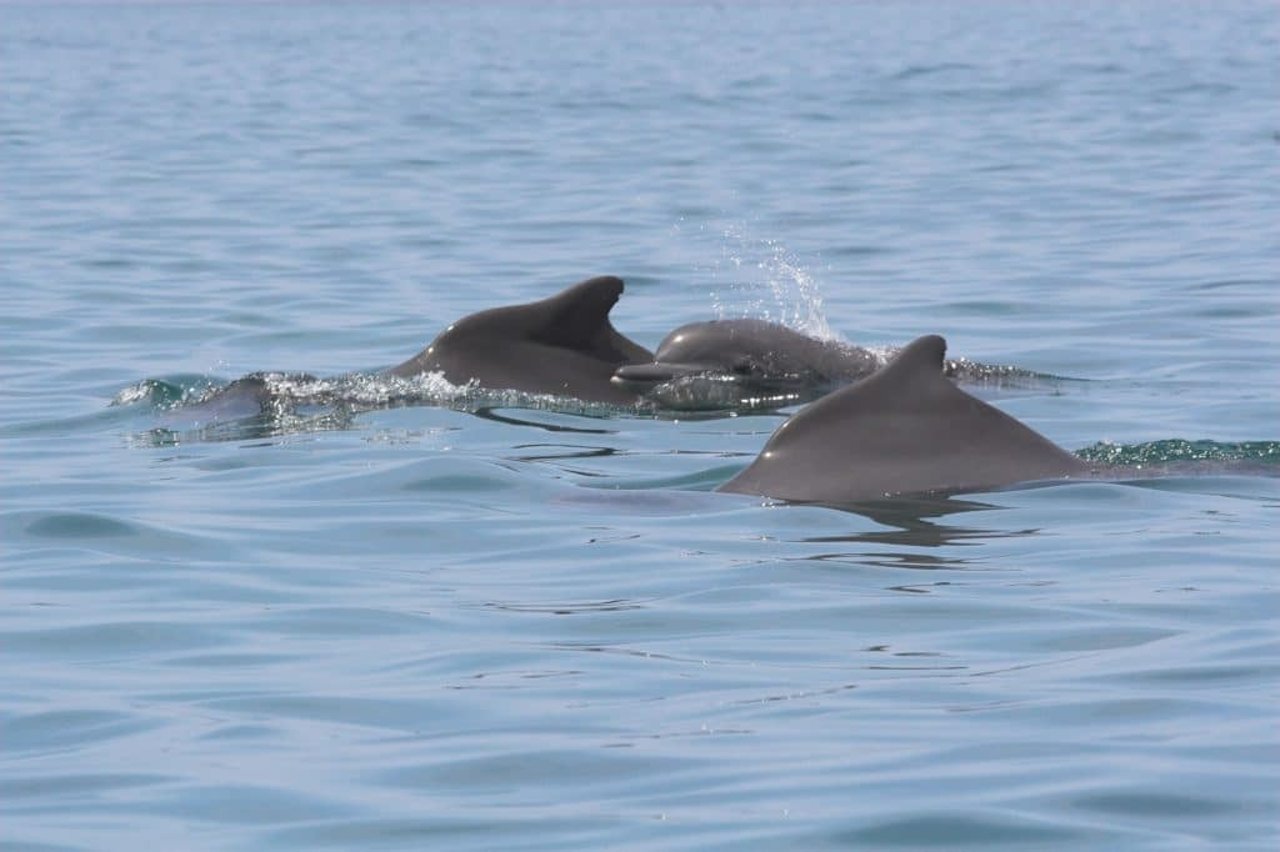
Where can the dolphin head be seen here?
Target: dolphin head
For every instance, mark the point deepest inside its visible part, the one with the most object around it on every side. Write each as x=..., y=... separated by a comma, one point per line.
x=754, y=356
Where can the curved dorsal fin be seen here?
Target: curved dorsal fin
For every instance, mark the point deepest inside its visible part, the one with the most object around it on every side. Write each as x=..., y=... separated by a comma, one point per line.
x=576, y=316
x=563, y=344
x=915, y=372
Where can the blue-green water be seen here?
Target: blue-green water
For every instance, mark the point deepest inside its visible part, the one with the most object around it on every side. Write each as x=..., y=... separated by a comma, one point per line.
x=466, y=627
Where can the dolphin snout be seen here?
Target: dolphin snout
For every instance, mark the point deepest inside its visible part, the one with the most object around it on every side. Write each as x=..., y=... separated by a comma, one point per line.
x=642, y=376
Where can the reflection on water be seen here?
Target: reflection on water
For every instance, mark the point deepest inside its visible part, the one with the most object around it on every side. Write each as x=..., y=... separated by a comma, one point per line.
x=561, y=452
x=569, y=608
x=910, y=523
x=528, y=418
x=273, y=424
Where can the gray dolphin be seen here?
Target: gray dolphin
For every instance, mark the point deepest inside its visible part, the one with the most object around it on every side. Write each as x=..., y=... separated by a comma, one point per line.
x=761, y=356
x=906, y=429
x=763, y=359
x=562, y=345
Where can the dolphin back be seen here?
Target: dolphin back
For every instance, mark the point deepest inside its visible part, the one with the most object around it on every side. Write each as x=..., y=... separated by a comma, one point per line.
x=904, y=430
x=563, y=345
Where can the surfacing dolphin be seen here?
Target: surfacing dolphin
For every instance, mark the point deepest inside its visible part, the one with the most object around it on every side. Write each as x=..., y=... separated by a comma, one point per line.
x=766, y=360
x=905, y=429
x=562, y=345
x=761, y=356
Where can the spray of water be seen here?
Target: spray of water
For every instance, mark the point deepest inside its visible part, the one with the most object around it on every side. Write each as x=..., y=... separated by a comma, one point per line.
x=760, y=277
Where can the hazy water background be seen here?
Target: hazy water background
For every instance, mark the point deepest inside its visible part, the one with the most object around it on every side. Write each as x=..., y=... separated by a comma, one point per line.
x=535, y=628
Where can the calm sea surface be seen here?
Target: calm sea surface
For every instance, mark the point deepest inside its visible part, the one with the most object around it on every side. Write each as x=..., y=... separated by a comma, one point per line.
x=535, y=626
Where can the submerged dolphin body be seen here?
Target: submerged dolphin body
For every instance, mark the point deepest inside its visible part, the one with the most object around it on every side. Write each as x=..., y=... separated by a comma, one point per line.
x=562, y=345
x=906, y=429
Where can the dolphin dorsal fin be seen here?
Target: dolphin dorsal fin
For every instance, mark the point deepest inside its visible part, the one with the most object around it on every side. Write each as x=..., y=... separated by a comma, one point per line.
x=918, y=365
x=922, y=357
x=563, y=345
x=914, y=378
x=578, y=316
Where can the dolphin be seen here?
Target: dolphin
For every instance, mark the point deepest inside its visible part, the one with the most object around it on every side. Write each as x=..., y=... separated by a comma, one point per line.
x=562, y=345
x=766, y=360
x=761, y=356
x=906, y=429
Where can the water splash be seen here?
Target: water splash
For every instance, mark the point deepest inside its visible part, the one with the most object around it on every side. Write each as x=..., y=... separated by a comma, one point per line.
x=264, y=405
x=1177, y=450
x=163, y=393
x=760, y=277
